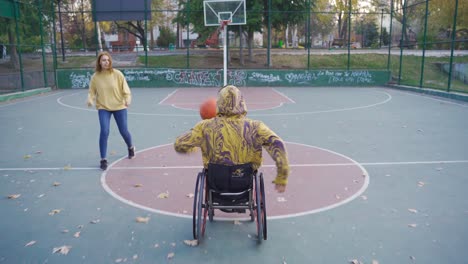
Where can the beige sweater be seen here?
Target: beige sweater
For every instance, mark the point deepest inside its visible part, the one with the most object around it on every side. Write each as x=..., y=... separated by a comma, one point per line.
x=109, y=90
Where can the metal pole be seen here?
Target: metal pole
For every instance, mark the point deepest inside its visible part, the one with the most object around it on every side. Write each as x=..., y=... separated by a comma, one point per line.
x=187, y=26
x=401, y=40
x=308, y=35
x=225, y=55
x=44, y=68
x=145, y=36
x=61, y=31
x=424, y=45
x=454, y=34
x=381, y=21
x=349, y=35
x=18, y=43
x=269, y=34
x=390, y=35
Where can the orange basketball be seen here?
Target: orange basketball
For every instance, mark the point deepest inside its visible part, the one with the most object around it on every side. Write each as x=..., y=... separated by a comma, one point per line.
x=208, y=108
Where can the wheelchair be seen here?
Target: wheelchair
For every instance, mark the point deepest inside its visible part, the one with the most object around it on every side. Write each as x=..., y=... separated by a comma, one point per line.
x=231, y=189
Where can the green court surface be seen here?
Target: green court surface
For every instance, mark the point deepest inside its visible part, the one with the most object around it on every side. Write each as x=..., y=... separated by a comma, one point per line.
x=410, y=207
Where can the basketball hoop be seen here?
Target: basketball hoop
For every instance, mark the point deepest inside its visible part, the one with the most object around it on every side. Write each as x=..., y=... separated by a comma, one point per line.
x=223, y=23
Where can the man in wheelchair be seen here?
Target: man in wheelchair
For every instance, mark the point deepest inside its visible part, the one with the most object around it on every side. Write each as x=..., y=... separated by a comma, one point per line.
x=232, y=139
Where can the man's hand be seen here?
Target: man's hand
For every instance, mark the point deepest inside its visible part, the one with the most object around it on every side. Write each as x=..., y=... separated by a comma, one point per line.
x=280, y=188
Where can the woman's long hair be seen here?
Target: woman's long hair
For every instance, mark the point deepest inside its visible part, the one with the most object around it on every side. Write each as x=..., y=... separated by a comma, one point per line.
x=98, y=64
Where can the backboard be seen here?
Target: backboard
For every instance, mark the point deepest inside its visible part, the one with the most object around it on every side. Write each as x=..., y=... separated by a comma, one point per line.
x=216, y=11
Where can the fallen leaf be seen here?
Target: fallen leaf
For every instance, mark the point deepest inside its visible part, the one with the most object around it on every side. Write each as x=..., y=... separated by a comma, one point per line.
x=412, y=225
x=141, y=219
x=77, y=234
x=30, y=243
x=138, y=185
x=412, y=257
x=55, y=211
x=192, y=243
x=281, y=199
x=413, y=210
x=56, y=184
x=421, y=184
x=27, y=156
x=190, y=195
x=163, y=195
x=62, y=250
x=38, y=152
x=13, y=196
x=170, y=255
x=95, y=221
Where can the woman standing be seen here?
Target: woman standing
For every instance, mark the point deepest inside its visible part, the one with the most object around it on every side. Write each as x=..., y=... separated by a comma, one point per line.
x=109, y=91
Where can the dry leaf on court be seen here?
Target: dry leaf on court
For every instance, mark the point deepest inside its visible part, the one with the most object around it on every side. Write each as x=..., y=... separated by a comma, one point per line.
x=30, y=243
x=421, y=184
x=192, y=243
x=138, y=185
x=281, y=199
x=190, y=195
x=55, y=211
x=27, y=156
x=413, y=210
x=141, y=219
x=14, y=196
x=170, y=255
x=62, y=250
x=412, y=225
x=77, y=234
x=55, y=184
x=163, y=195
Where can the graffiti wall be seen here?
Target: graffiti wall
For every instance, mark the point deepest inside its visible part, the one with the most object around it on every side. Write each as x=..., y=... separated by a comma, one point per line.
x=214, y=78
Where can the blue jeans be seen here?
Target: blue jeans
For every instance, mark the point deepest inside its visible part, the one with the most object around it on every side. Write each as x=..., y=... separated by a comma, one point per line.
x=120, y=117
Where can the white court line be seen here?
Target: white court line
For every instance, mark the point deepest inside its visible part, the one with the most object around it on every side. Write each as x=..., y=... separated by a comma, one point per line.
x=285, y=96
x=389, y=98
x=168, y=96
x=263, y=166
x=430, y=97
x=27, y=100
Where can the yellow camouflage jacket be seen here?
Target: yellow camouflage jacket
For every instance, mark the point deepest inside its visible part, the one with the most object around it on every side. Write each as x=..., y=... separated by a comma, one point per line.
x=231, y=138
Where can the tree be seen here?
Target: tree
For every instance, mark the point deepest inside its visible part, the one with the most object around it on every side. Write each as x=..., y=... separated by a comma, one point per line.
x=137, y=28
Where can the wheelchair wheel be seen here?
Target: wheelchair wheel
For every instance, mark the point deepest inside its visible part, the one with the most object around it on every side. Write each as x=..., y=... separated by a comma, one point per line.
x=263, y=206
x=199, y=208
x=258, y=210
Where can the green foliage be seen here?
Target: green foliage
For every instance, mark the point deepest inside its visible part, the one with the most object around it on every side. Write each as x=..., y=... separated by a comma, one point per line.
x=166, y=37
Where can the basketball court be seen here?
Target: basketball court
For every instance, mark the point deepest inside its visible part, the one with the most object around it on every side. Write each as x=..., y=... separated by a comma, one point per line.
x=378, y=175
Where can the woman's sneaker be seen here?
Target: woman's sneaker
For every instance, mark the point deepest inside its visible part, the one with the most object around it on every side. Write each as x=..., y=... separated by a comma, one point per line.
x=103, y=164
x=131, y=152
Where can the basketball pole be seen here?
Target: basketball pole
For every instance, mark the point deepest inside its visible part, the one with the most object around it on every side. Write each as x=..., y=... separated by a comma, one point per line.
x=225, y=52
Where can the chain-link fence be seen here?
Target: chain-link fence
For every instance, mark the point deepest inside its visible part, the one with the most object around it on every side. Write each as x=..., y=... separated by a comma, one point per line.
x=423, y=43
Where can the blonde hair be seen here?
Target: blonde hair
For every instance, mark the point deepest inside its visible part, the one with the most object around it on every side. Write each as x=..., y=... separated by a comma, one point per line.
x=98, y=64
